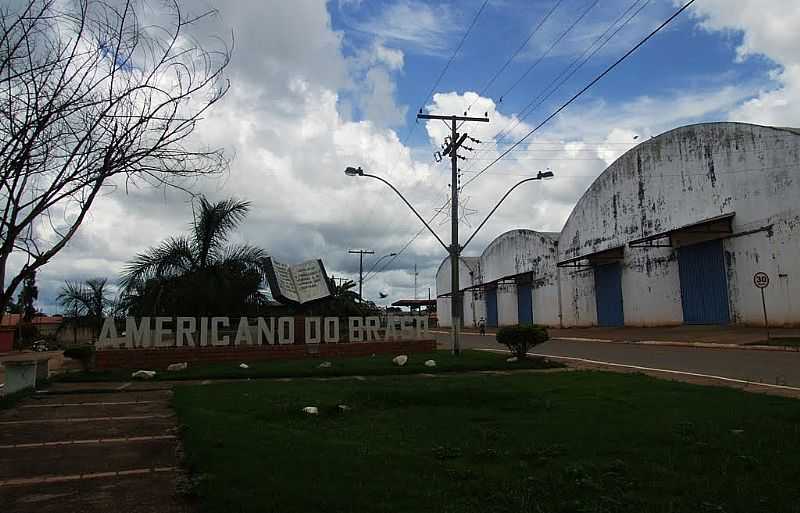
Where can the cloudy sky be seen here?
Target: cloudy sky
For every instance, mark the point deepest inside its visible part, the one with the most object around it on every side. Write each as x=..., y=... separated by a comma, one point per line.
x=318, y=86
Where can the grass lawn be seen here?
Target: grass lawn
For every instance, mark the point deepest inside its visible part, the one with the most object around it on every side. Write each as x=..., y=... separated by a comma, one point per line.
x=380, y=364
x=550, y=442
x=783, y=341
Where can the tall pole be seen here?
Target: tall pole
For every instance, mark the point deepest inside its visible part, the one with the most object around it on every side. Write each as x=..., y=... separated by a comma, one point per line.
x=456, y=140
x=456, y=309
x=415, y=281
x=360, y=253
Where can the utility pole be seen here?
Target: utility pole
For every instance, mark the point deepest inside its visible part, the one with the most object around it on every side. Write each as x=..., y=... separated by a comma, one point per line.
x=415, y=281
x=360, y=253
x=456, y=140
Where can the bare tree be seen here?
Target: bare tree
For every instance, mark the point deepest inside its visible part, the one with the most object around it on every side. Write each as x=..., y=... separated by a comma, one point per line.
x=92, y=97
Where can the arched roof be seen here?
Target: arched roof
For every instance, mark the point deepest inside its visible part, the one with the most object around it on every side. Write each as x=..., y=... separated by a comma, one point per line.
x=518, y=251
x=469, y=274
x=684, y=176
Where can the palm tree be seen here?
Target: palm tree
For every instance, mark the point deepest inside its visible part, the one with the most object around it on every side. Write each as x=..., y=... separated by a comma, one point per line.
x=88, y=300
x=198, y=273
x=344, y=289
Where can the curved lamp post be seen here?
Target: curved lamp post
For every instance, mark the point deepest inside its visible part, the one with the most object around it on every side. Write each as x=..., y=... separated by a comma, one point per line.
x=377, y=262
x=453, y=250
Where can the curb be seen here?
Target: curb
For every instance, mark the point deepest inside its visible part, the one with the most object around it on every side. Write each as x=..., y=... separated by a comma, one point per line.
x=667, y=343
x=678, y=343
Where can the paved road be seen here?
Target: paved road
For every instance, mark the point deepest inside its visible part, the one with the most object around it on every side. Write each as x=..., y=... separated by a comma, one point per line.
x=774, y=367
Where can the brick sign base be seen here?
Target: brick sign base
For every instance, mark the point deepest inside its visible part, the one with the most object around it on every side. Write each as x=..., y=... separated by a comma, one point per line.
x=160, y=358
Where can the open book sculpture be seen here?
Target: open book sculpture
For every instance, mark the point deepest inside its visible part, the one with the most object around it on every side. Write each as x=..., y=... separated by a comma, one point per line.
x=298, y=283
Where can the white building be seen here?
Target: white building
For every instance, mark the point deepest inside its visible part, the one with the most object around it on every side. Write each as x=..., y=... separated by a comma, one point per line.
x=513, y=280
x=671, y=233
x=469, y=274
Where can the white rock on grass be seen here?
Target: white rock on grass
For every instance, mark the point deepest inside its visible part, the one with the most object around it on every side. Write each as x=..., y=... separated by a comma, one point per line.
x=244, y=366
x=311, y=410
x=178, y=366
x=400, y=360
x=512, y=359
x=344, y=407
x=430, y=363
x=324, y=365
x=144, y=374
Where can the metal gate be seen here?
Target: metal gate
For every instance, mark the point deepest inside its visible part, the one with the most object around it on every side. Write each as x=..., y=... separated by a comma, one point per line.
x=491, y=308
x=608, y=294
x=524, y=304
x=704, y=289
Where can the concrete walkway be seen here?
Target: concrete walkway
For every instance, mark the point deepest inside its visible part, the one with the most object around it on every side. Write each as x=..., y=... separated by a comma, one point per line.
x=72, y=449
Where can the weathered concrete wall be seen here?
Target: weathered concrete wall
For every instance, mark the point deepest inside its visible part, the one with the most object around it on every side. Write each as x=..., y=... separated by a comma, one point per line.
x=474, y=307
x=469, y=274
x=775, y=252
x=443, y=314
x=545, y=302
x=685, y=176
x=518, y=252
x=577, y=301
x=507, y=313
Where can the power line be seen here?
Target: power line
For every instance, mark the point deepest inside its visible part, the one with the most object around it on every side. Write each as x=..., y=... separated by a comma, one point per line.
x=458, y=49
x=407, y=244
x=517, y=52
x=430, y=94
x=586, y=88
x=550, y=49
x=701, y=173
x=579, y=61
x=513, y=123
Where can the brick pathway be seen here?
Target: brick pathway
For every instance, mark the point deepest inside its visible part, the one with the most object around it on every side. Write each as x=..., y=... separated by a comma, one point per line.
x=74, y=449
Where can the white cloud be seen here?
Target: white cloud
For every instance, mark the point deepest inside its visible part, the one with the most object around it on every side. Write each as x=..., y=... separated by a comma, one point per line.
x=767, y=29
x=292, y=137
x=374, y=88
x=413, y=25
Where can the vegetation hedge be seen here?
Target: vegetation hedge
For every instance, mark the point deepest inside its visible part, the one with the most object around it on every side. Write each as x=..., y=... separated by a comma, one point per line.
x=520, y=339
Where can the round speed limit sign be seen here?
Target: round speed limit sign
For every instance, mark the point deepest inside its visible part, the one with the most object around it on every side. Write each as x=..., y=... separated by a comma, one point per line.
x=761, y=280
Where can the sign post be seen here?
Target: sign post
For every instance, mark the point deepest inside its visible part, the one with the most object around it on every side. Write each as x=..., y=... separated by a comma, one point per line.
x=761, y=280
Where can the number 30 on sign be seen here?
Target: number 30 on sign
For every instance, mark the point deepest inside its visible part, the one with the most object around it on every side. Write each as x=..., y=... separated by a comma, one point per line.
x=761, y=280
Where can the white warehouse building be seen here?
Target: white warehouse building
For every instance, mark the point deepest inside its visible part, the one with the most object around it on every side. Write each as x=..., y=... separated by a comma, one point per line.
x=671, y=233
x=512, y=282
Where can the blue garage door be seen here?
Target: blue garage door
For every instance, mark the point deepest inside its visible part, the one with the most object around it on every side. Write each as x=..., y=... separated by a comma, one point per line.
x=704, y=289
x=524, y=304
x=491, y=308
x=608, y=294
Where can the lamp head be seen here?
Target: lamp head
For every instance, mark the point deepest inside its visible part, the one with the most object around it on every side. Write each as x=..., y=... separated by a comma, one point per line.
x=352, y=171
x=545, y=175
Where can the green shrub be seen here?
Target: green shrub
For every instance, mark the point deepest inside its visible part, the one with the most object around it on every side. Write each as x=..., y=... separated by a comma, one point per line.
x=84, y=354
x=519, y=339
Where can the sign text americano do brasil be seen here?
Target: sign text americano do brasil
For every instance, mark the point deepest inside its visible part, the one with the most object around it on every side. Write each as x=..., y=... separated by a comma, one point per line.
x=148, y=332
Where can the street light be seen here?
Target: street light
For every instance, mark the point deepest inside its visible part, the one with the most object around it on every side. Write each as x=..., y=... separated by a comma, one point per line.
x=453, y=250
x=378, y=261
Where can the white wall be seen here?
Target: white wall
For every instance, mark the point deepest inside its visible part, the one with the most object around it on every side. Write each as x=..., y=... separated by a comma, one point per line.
x=686, y=176
x=469, y=274
x=507, y=310
x=545, y=303
x=778, y=255
x=474, y=308
x=517, y=252
x=577, y=298
x=443, y=305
